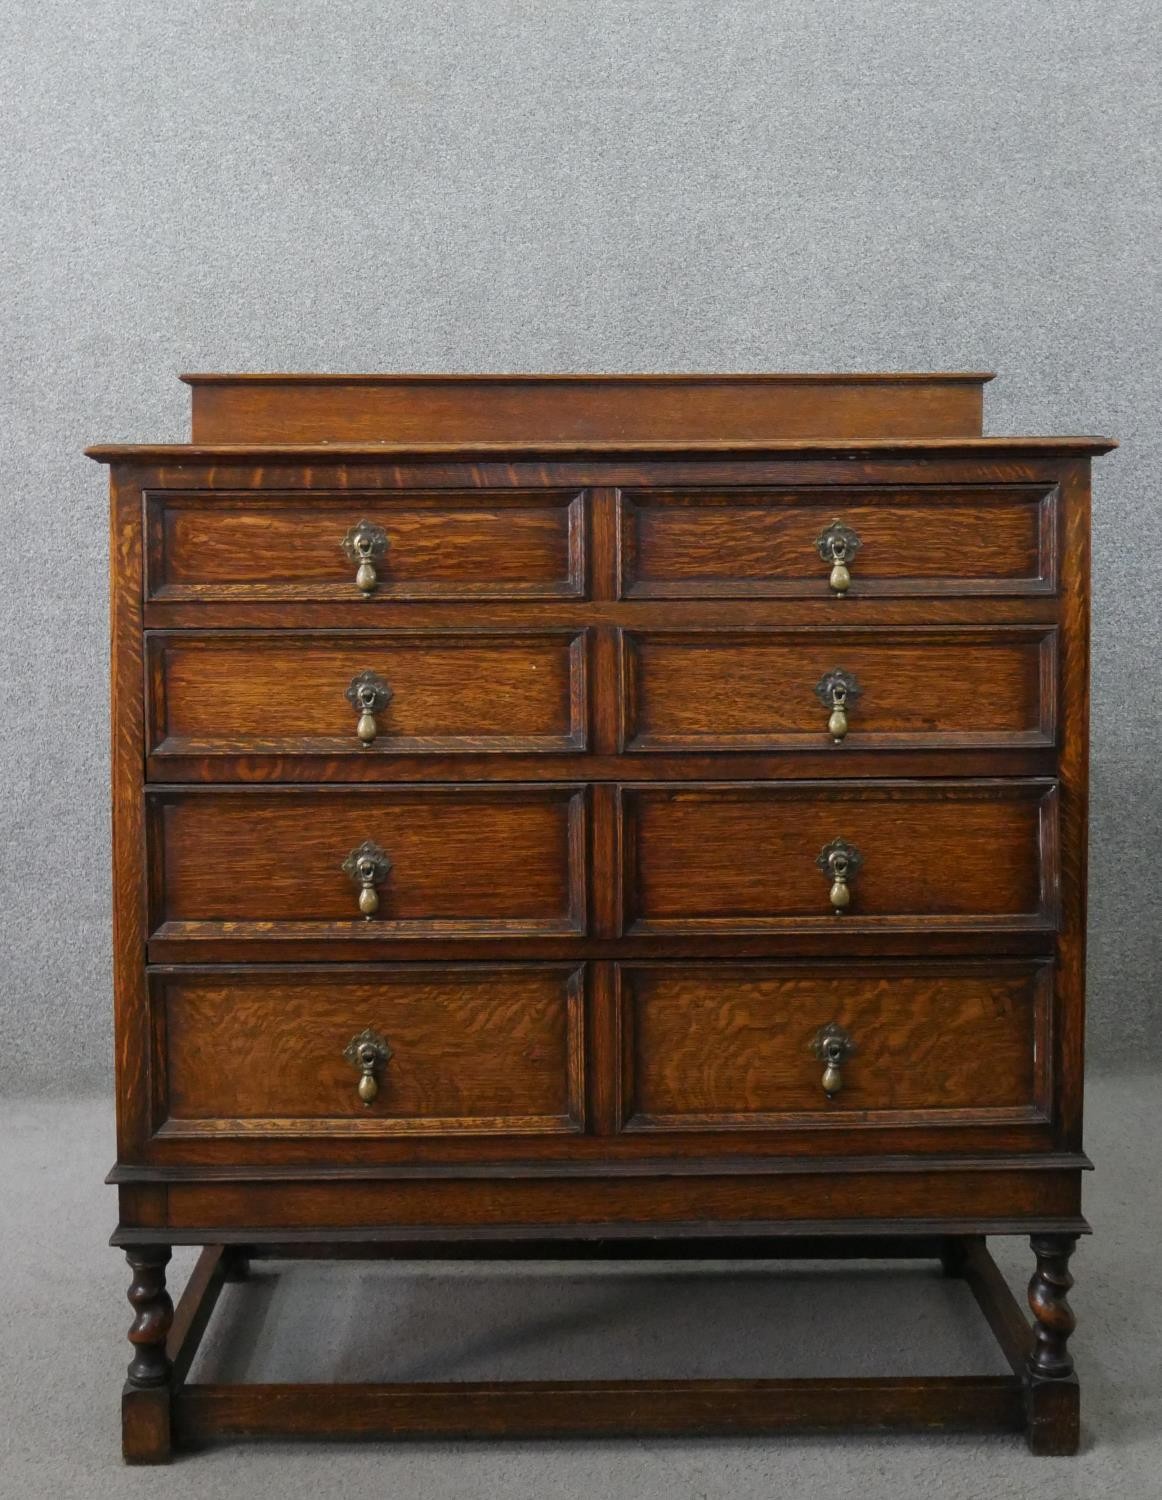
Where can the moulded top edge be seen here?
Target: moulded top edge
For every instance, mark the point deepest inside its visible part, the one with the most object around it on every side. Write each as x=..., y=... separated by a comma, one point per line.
x=604, y=450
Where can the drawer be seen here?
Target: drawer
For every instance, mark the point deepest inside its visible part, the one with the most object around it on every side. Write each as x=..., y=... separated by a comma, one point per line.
x=403, y=693
x=802, y=689
x=375, y=1051
x=754, y=857
x=448, y=544
x=737, y=1046
x=767, y=543
x=400, y=862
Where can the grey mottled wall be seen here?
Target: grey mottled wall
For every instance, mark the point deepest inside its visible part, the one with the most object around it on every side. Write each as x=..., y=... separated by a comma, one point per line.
x=550, y=185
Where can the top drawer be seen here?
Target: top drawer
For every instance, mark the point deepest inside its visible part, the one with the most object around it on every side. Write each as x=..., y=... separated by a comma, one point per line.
x=448, y=544
x=892, y=540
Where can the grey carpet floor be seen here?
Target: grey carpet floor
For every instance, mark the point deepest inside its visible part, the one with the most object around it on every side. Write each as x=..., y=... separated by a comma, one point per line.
x=63, y=1350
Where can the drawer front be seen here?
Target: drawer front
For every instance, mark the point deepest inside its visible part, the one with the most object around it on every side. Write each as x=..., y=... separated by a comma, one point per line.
x=371, y=1053
x=963, y=539
x=404, y=693
x=511, y=544
x=443, y=862
x=737, y=1047
x=769, y=690
x=757, y=857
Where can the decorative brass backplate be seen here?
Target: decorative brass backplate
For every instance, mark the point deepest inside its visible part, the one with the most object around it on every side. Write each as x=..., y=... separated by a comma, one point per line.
x=836, y=690
x=367, y=1051
x=368, y=695
x=367, y=866
x=838, y=546
x=832, y=1045
x=839, y=861
x=364, y=544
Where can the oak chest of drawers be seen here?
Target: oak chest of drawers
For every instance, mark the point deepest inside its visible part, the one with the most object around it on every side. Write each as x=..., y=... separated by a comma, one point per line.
x=577, y=815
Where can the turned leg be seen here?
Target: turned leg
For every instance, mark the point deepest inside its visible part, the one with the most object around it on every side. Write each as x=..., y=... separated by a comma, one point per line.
x=154, y=1314
x=1051, y=1387
x=145, y=1432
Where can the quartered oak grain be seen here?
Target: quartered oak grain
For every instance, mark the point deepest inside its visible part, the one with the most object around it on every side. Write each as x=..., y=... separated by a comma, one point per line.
x=487, y=1051
x=745, y=857
x=472, y=860
x=758, y=689
x=911, y=540
x=723, y=1047
x=446, y=692
x=508, y=544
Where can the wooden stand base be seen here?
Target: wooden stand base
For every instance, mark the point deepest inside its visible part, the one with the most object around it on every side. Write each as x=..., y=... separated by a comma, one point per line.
x=178, y=1414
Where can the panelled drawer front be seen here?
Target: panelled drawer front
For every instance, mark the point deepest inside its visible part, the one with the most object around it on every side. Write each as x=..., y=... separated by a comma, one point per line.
x=436, y=693
x=758, y=690
x=498, y=544
x=451, y=861
x=755, y=857
x=734, y=1046
x=765, y=543
x=472, y=1049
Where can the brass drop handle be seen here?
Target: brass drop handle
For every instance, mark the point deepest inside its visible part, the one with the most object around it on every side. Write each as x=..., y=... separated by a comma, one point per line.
x=836, y=691
x=832, y=1046
x=839, y=861
x=367, y=866
x=367, y=1051
x=838, y=546
x=368, y=695
x=364, y=545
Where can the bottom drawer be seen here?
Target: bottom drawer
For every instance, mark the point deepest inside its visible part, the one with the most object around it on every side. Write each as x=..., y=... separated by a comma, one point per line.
x=395, y=1050
x=764, y=1046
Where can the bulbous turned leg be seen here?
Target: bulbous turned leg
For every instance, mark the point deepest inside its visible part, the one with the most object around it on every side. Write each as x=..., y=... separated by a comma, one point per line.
x=154, y=1314
x=1051, y=1389
x=145, y=1403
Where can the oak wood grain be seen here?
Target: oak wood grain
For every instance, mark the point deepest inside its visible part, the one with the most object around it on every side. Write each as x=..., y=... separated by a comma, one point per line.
x=517, y=408
x=317, y=456
x=709, y=544
x=919, y=1197
x=505, y=545
x=485, y=1051
x=757, y=690
x=130, y=869
x=596, y=1408
x=743, y=858
x=466, y=860
x=1069, y=1029
x=188, y=1148
x=725, y=1047
x=258, y=693
x=352, y=614
x=863, y=759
